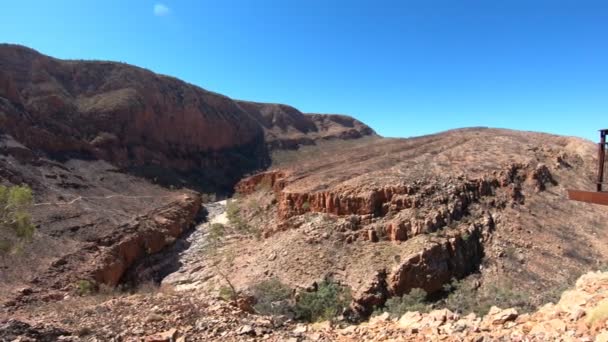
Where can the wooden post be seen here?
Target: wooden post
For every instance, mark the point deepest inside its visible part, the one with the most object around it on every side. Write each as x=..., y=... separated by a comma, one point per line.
x=601, y=159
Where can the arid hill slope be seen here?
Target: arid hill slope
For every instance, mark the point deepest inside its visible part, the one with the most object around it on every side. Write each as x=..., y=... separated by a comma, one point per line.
x=99, y=143
x=579, y=315
x=394, y=214
x=287, y=128
x=148, y=123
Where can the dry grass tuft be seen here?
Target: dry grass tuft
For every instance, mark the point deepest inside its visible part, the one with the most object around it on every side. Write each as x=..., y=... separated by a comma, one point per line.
x=598, y=314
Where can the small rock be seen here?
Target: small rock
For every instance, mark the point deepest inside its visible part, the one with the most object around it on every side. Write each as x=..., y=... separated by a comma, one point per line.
x=167, y=336
x=315, y=337
x=602, y=337
x=380, y=318
x=153, y=317
x=496, y=316
x=245, y=330
x=300, y=329
x=25, y=291
x=410, y=320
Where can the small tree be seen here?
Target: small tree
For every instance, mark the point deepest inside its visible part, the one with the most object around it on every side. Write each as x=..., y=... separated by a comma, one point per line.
x=15, y=218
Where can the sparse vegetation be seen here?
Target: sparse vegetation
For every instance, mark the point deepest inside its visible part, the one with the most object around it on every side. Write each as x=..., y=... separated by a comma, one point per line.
x=216, y=232
x=466, y=236
x=227, y=293
x=465, y=297
x=273, y=297
x=15, y=218
x=85, y=287
x=415, y=300
x=306, y=206
x=326, y=303
x=233, y=212
x=208, y=198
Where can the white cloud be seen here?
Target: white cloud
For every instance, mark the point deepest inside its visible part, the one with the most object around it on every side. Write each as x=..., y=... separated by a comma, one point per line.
x=160, y=10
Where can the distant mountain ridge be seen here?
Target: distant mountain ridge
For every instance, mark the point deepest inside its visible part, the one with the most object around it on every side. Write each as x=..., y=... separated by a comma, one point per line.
x=146, y=122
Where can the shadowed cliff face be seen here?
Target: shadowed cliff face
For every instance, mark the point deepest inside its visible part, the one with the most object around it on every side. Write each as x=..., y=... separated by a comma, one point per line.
x=152, y=125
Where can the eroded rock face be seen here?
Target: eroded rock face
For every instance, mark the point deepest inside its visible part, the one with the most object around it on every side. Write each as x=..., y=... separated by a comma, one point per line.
x=105, y=260
x=151, y=234
x=274, y=179
x=398, y=214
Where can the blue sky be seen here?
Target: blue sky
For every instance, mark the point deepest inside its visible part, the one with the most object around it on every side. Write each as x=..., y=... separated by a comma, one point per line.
x=404, y=67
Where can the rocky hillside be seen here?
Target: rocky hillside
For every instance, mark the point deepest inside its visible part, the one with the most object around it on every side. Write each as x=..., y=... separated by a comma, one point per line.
x=103, y=144
x=391, y=215
x=147, y=123
x=287, y=128
x=468, y=219
x=580, y=315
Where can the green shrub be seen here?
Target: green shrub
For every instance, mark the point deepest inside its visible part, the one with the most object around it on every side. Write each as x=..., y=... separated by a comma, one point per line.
x=415, y=300
x=327, y=302
x=15, y=218
x=464, y=297
x=85, y=287
x=273, y=297
x=233, y=213
x=306, y=206
x=466, y=236
x=216, y=231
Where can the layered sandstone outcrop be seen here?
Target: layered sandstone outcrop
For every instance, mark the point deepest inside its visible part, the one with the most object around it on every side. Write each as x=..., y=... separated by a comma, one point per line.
x=147, y=236
x=105, y=260
x=396, y=214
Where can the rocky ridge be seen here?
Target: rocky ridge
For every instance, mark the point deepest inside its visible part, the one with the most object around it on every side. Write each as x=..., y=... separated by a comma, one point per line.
x=409, y=213
x=150, y=124
x=103, y=145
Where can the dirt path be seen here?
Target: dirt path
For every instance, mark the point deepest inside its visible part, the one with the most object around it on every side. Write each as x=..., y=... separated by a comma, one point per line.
x=80, y=198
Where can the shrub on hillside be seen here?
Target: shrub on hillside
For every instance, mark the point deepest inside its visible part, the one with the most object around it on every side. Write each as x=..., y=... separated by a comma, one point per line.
x=85, y=287
x=465, y=297
x=15, y=218
x=415, y=300
x=235, y=217
x=326, y=303
x=273, y=297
